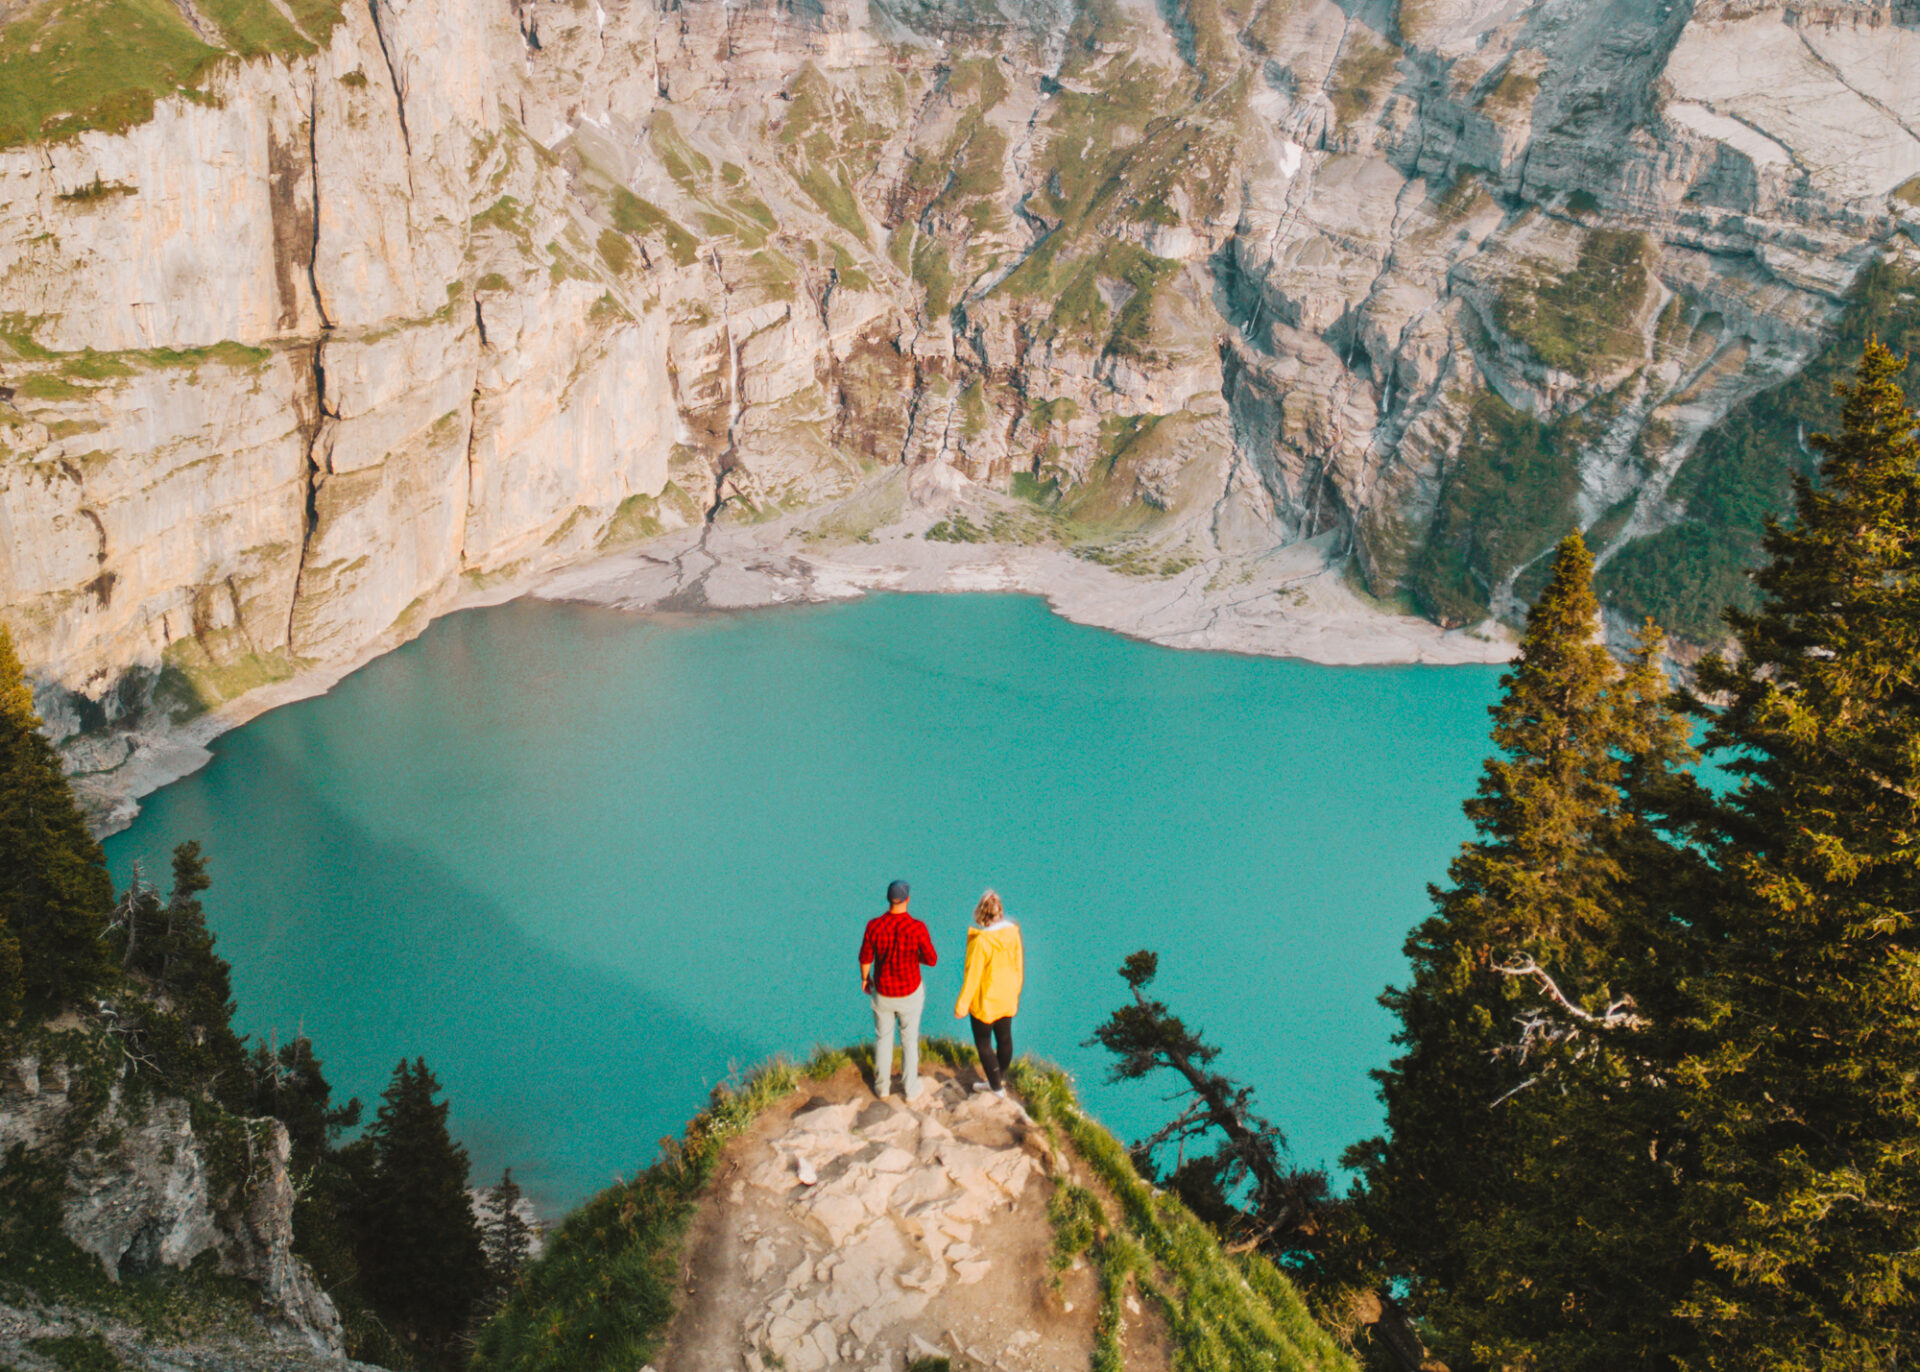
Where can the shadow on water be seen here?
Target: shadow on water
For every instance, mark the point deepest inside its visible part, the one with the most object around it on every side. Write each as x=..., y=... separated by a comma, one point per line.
x=377, y=951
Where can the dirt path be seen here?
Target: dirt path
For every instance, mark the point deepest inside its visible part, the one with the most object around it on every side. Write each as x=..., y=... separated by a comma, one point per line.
x=923, y=1233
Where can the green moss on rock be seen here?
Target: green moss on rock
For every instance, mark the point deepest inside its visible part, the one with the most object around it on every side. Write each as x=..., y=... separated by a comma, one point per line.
x=1586, y=320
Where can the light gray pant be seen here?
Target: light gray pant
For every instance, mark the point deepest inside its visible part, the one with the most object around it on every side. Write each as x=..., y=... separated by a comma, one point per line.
x=906, y=1009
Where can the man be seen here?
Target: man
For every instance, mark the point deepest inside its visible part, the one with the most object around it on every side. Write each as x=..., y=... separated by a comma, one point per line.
x=896, y=946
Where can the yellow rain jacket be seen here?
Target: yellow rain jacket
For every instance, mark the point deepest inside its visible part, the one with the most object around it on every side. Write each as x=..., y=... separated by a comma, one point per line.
x=996, y=967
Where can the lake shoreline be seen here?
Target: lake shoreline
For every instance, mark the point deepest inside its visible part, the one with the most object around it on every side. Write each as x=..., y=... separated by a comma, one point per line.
x=542, y=834
x=1290, y=602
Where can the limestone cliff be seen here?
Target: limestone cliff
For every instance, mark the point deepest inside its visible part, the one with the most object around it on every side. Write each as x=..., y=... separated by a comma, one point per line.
x=143, y=1183
x=349, y=309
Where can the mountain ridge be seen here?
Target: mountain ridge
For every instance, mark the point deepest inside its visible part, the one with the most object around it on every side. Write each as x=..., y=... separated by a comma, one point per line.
x=328, y=318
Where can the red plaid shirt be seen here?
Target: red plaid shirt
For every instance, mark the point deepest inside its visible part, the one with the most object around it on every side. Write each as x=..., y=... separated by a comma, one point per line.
x=896, y=944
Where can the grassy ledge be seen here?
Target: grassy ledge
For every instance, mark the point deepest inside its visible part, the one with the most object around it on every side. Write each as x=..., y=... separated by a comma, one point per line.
x=1226, y=1313
x=67, y=66
x=603, y=1293
x=606, y=1289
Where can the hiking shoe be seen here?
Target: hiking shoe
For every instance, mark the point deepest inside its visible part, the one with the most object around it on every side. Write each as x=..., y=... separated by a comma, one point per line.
x=981, y=1086
x=1000, y=1091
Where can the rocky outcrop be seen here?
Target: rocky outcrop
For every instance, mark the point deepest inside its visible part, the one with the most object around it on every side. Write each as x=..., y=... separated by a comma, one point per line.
x=148, y=1183
x=438, y=293
x=848, y=1230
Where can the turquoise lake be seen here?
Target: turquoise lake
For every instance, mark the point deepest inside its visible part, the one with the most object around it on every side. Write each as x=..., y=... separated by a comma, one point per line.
x=589, y=864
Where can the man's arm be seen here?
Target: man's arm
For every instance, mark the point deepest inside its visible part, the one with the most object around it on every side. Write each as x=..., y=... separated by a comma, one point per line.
x=866, y=960
x=928, y=957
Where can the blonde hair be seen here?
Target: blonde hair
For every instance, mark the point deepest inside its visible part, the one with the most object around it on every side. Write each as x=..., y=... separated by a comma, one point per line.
x=989, y=909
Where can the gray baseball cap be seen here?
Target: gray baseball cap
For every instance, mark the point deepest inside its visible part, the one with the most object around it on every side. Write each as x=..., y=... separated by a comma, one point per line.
x=897, y=891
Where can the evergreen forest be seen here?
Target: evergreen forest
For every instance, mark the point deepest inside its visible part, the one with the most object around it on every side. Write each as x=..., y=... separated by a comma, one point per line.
x=1655, y=1102
x=384, y=1218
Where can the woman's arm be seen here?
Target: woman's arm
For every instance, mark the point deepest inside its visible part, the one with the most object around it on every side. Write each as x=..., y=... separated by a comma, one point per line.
x=976, y=965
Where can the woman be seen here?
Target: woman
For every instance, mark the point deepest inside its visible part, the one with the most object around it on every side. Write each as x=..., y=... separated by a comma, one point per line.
x=996, y=967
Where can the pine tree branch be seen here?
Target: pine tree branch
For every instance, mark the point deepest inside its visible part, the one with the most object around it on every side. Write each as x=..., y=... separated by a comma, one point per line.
x=1619, y=1014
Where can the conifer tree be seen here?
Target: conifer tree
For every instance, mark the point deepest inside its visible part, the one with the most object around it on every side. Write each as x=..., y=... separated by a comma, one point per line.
x=12, y=991
x=184, y=1026
x=1231, y=1168
x=505, y=1237
x=1514, y=1175
x=290, y=1084
x=55, y=894
x=418, y=1245
x=1809, y=1192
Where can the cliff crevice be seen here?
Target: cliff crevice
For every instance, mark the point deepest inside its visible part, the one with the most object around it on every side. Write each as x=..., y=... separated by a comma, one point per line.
x=1438, y=281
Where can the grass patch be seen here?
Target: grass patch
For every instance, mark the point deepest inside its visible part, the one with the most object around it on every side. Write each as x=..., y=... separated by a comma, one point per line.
x=689, y=168
x=1222, y=1311
x=1107, y=501
x=318, y=17
x=636, y=518
x=934, y=273
x=833, y=193
x=821, y=134
x=78, y=1353
x=1059, y=410
x=213, y=675
x=956, y=529
x=1133, y=328
x=1364, y=68
x=67, y=66
x=1080, y=314
x=1078, y=1222
x=615, y=251
x=755, y=216
x=253, y=28
x=226, y=353
x=1587, y=319
x=774, y=273
x=1027, y=486
x=1467, y=193
x=93, y=64
x=973, y=409
x=46, y=386
x=1908, y=191
x=1514, y=91
x=847, y=272
x=632, y=215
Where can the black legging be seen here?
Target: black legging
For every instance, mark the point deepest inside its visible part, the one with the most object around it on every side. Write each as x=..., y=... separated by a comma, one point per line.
x=994, y=1043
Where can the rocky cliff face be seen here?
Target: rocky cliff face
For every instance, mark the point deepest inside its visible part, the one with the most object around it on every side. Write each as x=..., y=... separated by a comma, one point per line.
x=144, y=1184
x=386, y=302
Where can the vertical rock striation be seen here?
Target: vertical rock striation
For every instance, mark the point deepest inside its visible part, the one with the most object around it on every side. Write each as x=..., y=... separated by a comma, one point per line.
x=449, y=291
